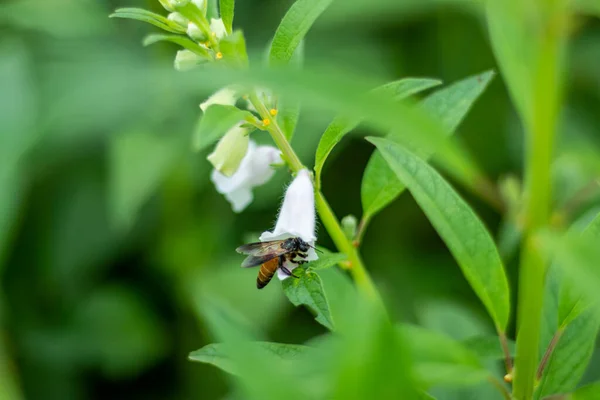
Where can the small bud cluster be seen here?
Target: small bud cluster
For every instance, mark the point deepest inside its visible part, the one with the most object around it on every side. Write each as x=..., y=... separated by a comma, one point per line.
x=190, y=16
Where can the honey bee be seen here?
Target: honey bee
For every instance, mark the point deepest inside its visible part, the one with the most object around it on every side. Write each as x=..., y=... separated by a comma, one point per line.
x=273, y=255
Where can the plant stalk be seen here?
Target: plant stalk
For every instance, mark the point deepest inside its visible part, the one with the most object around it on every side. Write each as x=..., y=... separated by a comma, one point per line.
x=540, y=131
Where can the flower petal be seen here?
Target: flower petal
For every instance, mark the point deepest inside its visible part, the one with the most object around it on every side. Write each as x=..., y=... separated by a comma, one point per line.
x=254, y=170
x=297, y=214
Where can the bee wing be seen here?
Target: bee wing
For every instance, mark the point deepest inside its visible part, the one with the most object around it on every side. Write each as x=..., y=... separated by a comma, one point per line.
x=262, y=248
x=255, y=261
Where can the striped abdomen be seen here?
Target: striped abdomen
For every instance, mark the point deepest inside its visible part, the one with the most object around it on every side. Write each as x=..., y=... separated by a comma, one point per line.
x=266, y=272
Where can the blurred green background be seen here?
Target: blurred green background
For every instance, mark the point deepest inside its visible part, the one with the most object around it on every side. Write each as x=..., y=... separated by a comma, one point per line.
x=111, y=234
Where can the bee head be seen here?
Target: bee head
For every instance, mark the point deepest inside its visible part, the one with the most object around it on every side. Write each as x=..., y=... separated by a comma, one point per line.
x=302, y=245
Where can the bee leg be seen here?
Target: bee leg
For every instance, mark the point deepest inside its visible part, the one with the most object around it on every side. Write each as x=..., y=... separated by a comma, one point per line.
x=288, y=272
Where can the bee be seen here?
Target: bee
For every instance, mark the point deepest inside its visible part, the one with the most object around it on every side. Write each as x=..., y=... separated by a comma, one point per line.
x=273, y=255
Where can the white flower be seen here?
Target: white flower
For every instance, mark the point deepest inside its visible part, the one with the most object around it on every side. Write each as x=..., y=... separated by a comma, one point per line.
x=186, y=60
x=254, y=170
x=296, y=217
x=226, y=96
x=194, y=32
x=230, y=151
x=217, y=27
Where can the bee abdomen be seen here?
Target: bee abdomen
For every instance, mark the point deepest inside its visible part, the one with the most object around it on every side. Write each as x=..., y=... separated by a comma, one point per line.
x=266, y=272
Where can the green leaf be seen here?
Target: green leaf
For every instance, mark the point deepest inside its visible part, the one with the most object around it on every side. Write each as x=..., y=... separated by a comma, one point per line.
x=488, y=347
x=425, y=396
x=341, y=125
x=326, y=260
x=457, y=224
x=293, y=27
x=380, y=186
x=227, y=7
x=182, y=41
x=217, y=120
x=149, y=17
x=216, y=355
x=307, y=290
x=233, y=48
x=569, y=305
x=405, y=87
x=587, y=392
x=289, y=107
x=571, y=356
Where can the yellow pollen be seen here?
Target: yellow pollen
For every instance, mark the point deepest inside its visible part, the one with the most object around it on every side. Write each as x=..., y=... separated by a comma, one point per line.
x=508, y=378
x=266, y=122
x=273, y=112
x=214, y=34
x=219, y=55
x=245, y=97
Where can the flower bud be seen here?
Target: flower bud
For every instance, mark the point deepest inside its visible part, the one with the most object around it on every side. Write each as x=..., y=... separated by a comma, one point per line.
x=217, y=27
x=186, y=60
x=172, y=5
x=229, y=152
x=195, y=33
x=178, y=19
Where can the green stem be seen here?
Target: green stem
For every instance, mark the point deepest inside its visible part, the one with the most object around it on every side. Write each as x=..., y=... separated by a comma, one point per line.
x=540, y=144
x=357, y=269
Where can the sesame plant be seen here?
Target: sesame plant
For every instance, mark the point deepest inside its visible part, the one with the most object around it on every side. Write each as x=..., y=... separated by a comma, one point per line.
x=369, y=352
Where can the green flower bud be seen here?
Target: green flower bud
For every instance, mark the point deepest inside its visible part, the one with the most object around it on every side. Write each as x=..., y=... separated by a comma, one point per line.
x=178, y=19
x=349, y=224
x=195, y=33
x=231, y=149
x=186, y=60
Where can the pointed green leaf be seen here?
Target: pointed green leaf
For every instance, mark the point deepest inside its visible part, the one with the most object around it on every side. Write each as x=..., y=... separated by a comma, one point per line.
x=570, y=305
x=380, y=186
x=326, y=260
x=233, y=48
x=570, y=358
x=215, y=122
x=293, y=27
x=307, y=290
x=149, y=17
x=227, y=7
x=182, y=41
x=216, y=355
x=457, y=224
x=340, y=126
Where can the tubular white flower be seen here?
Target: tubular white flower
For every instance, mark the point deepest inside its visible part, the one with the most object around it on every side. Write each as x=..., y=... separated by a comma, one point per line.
x=217, y=27
x=254, y=170
x=296, y=217
x=230, y=151
x=226, y=96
